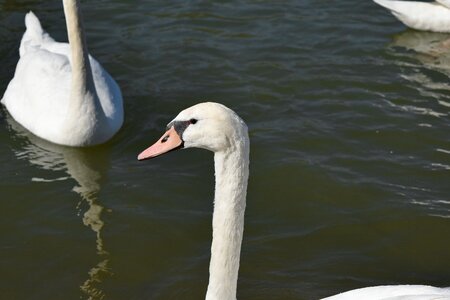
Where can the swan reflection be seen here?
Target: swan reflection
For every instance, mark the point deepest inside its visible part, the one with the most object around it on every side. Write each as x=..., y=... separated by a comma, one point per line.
x=86, y=169
x=429, y=71
x=427, y=68
x=432, y=51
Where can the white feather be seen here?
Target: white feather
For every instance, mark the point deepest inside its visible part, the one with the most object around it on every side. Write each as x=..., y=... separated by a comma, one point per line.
x=429, y=16
x=446, y=3
x=395, y=292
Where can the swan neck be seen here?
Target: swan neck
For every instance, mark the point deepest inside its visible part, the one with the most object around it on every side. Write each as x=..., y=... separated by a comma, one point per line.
x=82, y=79
x=231, y=170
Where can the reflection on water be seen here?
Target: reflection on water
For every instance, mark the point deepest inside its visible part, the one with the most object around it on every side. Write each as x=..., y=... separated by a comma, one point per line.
x=427, y=66
x=432, y=50
x=76, y=163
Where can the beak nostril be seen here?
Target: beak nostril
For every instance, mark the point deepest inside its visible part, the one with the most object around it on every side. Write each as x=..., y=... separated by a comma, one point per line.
x=165, y=139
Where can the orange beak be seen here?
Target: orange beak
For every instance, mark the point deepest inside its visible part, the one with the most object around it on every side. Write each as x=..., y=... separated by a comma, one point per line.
x=168, y=142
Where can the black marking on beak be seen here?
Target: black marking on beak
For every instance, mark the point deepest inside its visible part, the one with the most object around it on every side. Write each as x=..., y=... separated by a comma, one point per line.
x=179, y=126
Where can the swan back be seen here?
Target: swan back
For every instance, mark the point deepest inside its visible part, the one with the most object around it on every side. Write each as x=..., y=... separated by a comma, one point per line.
x=420, y=15
x=395, y=292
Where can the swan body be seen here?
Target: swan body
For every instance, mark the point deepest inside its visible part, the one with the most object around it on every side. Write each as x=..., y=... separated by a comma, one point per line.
x=395, y=292
x=214, y=127
x=429, y=16
x=59, y=92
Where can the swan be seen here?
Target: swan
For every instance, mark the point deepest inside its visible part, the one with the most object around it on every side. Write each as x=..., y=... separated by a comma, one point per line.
x=59, y=92
x=429, y=16
x=215, y=127
x=395, y=292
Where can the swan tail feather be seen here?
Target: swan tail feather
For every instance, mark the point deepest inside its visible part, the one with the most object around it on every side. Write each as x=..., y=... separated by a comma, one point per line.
x=33, y=24
x=34, y=34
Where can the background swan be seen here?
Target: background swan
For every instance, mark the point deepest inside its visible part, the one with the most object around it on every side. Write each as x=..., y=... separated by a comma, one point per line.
x=431, y=16
x=59, y=92
x=214, y=127
x=395, y=292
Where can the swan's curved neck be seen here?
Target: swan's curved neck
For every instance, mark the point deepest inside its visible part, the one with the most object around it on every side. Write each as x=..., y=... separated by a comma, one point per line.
x=231, y=169
x=85, y=116
x=82, y=80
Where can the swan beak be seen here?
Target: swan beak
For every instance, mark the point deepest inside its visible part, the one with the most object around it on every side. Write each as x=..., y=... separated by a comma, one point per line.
x=168, y=142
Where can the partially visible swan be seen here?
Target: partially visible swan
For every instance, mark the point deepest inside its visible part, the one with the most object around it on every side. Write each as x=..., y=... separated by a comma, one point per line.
x=430, y=16
x=59, y=92
x=217, y=128
x=395, y=292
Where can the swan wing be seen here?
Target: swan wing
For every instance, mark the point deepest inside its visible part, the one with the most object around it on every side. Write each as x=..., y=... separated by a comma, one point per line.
x=34, y=35
x=37, y=97
x=109, y=94
x=420, y=15
x=395, y=292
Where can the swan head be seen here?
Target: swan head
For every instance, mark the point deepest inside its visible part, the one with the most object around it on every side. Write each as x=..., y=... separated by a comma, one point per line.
x=211, y=126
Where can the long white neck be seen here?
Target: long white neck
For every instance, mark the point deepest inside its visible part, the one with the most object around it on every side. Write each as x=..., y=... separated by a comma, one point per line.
x=82, y=81
x=84, y=107
x=231, y=170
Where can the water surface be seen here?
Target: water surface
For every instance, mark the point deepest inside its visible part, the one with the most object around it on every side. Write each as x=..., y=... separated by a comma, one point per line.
x=350, y=154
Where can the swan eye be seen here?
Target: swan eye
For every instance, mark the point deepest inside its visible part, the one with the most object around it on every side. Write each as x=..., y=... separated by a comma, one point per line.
x=193, y=121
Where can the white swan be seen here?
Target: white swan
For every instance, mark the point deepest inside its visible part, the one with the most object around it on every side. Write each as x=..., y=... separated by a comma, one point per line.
x=59, y=92
x=395, y=292
x=215, y=127
x=430, y=16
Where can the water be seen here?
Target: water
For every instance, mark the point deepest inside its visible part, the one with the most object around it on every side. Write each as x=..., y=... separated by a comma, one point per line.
x=350, y=157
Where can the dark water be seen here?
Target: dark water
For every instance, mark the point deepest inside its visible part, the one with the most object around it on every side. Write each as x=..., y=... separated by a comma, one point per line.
x=350, y=162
